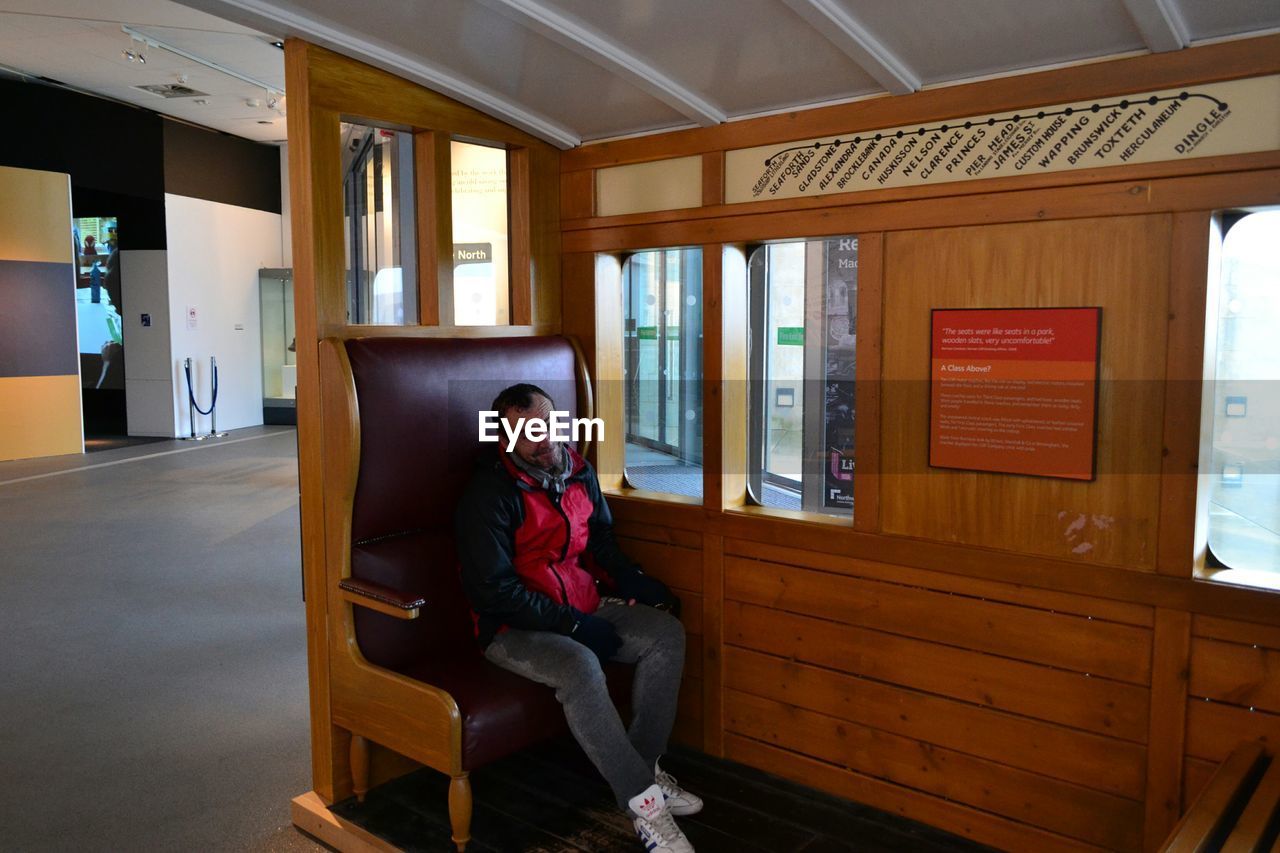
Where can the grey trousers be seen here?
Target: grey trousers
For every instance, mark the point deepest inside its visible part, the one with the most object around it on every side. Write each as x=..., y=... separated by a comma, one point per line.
x=651, y=639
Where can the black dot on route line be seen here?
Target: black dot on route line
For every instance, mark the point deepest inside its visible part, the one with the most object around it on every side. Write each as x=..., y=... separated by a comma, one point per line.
x=920, y=132
x=1040, y=114
x=1017, y=117
x=837, y=142
x=877, y=137
x=1124, y=105
x=1153, y=100
x=817, y=145
x=1222, y=105
x=991, y=121
x=968, y=124
x=1068, y=111
x=1182, y=96
x=944, y=128
x=1096, y=107
x=899, y=134
x=857, y=139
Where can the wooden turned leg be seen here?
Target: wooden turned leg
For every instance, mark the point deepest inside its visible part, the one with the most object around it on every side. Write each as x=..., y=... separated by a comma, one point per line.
x=359, y=766
x=460, y=810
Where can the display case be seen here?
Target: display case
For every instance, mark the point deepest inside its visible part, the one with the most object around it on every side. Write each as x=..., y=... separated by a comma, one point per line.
x=279, y=347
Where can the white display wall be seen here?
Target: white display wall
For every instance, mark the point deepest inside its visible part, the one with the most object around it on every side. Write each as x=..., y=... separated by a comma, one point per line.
x=214, y=254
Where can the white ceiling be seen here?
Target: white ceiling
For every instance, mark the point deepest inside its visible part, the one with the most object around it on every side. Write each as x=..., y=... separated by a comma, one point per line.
x=573, y=71
x=81, y=44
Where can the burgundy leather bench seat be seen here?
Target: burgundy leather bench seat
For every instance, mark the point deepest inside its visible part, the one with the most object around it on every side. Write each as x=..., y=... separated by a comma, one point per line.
x=418, y=401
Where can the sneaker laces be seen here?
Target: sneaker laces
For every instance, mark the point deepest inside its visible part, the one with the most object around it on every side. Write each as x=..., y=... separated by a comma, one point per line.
x=667, y=783
x=663, y=827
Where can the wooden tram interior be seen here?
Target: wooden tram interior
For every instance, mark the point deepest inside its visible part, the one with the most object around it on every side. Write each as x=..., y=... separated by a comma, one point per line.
x=951, y=654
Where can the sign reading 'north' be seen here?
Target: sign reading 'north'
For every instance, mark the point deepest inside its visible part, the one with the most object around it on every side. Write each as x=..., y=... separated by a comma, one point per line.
x=1232, y=117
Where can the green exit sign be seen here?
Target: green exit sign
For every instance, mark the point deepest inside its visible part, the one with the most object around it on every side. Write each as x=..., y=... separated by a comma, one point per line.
x=791, y=336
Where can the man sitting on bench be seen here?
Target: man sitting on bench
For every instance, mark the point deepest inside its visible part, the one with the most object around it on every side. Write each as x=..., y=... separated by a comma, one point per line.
x=531, y=525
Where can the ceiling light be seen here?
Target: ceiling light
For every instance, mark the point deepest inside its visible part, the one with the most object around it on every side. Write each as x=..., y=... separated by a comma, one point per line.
x=151, y=41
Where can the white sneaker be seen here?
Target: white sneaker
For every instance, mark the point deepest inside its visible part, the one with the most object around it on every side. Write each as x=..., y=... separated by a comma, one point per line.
x=679, y=801
x=655, y=825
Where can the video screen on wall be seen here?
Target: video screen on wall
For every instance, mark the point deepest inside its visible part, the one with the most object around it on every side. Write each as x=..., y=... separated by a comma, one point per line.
x=98, y=300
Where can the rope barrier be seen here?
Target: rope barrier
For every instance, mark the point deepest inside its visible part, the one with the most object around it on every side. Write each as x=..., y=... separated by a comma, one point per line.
x=191, y=394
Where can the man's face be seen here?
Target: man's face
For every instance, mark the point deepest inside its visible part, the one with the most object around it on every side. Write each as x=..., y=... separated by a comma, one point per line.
x=540, y=454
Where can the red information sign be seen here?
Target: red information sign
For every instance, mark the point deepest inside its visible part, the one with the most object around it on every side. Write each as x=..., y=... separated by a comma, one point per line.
x=1015, y=390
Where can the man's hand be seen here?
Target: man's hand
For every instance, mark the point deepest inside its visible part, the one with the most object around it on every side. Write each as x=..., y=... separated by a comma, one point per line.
x=651, y=591
x=597, y=634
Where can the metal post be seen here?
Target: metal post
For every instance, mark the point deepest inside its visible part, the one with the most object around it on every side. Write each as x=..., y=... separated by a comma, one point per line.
x=213, y=404
x=191, y=404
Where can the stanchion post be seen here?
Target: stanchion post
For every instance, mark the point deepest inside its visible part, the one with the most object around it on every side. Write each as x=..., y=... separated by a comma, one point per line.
x=213, y=406
x=191, y=402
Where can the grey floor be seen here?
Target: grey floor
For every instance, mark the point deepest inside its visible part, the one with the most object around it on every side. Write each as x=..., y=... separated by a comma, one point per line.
x=153, y=686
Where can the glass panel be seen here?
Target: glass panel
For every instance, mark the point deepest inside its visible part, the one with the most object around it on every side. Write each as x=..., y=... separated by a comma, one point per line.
x=481, y=289
x=662, y=370
x=279, y=345
x=803, y=308
x=1244, y=501
x=380, y=243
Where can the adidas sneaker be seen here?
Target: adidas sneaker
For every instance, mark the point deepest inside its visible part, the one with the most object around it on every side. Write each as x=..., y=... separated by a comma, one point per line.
x=654, y=824
x=679, y=801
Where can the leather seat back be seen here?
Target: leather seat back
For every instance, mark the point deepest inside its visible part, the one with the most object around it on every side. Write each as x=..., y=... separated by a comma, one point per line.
x=418, y=401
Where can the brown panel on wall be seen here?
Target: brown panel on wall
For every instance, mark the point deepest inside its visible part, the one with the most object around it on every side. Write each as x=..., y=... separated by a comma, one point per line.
x=544, y=245
x=1235, y=631
x=1073, y=699
x=713, y=644
x=964, y=821
x=435, y=227
x=1043, y=599
x=1120, y=264
x=688, y=727
x=870, y=351
x=674, y=566
x=1184, y=366
x=1235, y=673
x=1168, y=725
x=578, y=317
x=520, y=203
x=1080, y=645
x=1103, y=819
x=1094, y=761
x=577, y=194
x=1214, y=729
x=712, y=178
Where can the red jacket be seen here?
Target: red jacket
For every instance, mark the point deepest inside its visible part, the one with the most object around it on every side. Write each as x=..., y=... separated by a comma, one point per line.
x=530, y=558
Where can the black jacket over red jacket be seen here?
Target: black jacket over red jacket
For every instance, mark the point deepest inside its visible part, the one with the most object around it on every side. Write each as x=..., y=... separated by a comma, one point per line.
x=530, y=557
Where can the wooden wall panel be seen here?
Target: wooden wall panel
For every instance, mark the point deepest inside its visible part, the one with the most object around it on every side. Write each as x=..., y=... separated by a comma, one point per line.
x=984, y=827
x=1120, y=264
x=1082, y=645
x=1074, y=699
x=1072, y=810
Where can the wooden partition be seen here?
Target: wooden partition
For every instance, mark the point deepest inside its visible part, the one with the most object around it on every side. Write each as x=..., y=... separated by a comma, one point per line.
x=325, y=89
x=1029, y=662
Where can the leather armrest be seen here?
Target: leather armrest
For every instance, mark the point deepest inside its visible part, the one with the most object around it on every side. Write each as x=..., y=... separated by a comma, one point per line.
x=381, y=598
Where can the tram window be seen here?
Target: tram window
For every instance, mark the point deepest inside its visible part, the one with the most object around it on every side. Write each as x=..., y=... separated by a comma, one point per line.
x=802, y=315
x=1244, y=466
x=662, y=370
x=481, y=257
x=382, y=281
